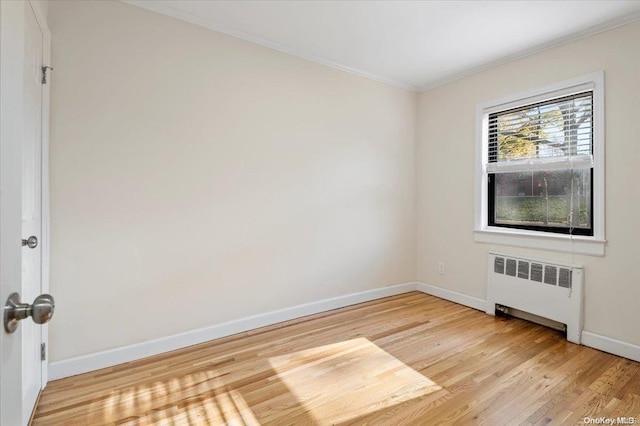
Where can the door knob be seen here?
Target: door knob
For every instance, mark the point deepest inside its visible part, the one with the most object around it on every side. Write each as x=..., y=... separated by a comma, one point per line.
x=31, y=242
x=40, y=311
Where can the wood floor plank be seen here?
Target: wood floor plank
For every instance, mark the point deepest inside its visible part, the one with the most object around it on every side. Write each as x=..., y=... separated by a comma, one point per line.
x=403, y=360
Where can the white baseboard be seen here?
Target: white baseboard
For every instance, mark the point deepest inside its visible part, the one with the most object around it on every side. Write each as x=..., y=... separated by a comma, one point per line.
x=111, y=357
x=86, y=363
x=613, y=346
x=452, y=296
x=596, y=341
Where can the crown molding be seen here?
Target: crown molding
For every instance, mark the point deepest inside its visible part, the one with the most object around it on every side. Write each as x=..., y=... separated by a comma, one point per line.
x=156, y=6
x=605, y=26
x=159, y=7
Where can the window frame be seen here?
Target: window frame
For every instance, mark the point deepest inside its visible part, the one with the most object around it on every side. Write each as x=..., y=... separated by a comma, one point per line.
x=541, y=239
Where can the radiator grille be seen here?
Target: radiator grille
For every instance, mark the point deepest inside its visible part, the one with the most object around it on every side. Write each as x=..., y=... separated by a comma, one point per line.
x=523, y=269
x=550, y=275
x=564, y=279
x=534, y=271
x=511, y=267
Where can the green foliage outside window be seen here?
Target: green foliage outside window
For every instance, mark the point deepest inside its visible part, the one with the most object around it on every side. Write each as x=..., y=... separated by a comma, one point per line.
x=538, y=211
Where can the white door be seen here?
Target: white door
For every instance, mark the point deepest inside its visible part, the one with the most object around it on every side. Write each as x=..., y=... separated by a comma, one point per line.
x=22, y=44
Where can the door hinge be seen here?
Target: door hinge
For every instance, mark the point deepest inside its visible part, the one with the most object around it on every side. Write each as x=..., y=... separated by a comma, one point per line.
x=43, y=352
x=44, y=73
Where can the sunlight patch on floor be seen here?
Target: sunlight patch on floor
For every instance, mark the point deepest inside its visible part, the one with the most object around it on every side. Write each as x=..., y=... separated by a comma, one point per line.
x=341, y=381
x=327, y=384
x=200, y=399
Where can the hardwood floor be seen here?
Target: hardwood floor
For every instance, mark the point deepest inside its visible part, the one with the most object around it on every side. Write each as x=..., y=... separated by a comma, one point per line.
x=408, y=359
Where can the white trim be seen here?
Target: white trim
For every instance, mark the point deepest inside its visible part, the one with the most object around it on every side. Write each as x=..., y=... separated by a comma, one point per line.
x=164, y=9
x=45, y=206
x=605, y=26
x=529, y=239
x=111, y=357
x=108, y=358
x=539, y=240
x=599, y=142
x=452, y=296
x=541, y=94
x=612, y=346
x=596, y=341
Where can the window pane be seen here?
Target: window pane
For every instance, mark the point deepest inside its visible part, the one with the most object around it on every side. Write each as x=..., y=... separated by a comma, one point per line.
x=558, y=198
x=557, y=128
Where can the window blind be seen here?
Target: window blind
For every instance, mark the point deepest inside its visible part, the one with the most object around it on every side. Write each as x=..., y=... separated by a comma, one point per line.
x=551, y=135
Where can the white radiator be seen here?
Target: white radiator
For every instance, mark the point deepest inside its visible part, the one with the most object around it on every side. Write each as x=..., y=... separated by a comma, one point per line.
x=544, y=288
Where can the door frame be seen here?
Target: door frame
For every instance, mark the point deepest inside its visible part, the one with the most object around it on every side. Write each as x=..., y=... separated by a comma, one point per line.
x=41, y=17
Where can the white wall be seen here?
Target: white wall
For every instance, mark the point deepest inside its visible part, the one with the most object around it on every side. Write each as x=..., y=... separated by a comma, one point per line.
x=197, y=178
x=445, y=167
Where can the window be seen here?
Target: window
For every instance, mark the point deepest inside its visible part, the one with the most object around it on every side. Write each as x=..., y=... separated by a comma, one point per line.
x=540, y=168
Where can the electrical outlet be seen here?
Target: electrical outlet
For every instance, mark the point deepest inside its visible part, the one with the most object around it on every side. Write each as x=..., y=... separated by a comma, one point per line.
x=441, y=268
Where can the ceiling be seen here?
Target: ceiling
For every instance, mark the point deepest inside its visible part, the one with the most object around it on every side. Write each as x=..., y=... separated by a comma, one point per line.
x=411, y=44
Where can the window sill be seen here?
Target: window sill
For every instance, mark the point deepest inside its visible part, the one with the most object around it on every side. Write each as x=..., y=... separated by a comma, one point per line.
x=535, y=240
